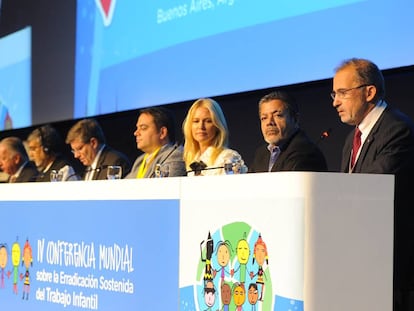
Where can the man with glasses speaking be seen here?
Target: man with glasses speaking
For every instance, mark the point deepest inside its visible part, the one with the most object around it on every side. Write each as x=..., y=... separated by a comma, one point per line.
x=382, y=142
x=87, y=140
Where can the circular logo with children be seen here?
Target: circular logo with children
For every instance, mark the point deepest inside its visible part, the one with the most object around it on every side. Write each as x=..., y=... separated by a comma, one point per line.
x=233, y=272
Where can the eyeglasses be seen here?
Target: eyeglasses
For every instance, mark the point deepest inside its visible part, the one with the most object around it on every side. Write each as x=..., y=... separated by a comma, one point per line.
x=34, y=147
x=341, y=93
x=78, y=149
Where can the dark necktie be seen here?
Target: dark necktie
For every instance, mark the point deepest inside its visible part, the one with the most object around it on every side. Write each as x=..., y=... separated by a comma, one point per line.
x=355, y=145
x=274, y=153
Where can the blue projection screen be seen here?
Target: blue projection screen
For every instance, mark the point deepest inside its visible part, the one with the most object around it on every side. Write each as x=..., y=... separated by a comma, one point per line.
x=131, y=54
x=15, y=80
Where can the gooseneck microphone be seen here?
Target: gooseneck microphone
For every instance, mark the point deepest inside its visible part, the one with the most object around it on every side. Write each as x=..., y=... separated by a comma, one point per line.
x=324, y=135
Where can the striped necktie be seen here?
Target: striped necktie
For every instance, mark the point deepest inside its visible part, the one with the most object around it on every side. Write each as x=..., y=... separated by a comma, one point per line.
x=274, y=153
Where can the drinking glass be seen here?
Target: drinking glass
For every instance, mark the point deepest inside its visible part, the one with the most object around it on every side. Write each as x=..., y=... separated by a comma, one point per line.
x=114, y=172
x=165, y=170
x=162, y=170
x=228, y=166
x=157, y=170
x=55, y=175
x=234, y=165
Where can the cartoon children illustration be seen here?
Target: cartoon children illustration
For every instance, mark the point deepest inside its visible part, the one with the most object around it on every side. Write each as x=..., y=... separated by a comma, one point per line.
x=239, y=296
x=243, y=253
x=253, y=295
x=261, y=256
x=27, y=261
x=225, y=296
x=223, y=251
x=16, y=253
x=209, y=295
x=3, y=262
x=208, y=273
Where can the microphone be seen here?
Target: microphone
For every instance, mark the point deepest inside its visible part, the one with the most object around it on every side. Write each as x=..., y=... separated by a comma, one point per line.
x=198, y=167
x=325, y=134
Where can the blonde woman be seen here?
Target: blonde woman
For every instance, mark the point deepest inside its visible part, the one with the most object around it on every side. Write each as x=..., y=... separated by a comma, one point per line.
x=206, y=139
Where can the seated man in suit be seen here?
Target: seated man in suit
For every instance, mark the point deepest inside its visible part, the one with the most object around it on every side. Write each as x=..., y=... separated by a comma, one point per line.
x=88, y=143
x=15, y=162
x=45, y=150
x=288, y=147
x=155, y=136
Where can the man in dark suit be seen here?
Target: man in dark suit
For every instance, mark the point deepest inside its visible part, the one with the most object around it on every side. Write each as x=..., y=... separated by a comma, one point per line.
x=87, y=140
x=15, y=162
x=384, y=144
x=288, y=147
x=155, y=136
x=45, y=147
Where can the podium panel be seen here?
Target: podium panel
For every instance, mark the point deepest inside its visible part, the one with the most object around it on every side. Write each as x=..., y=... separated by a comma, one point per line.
x=90, y=246
x=349, y=242
x=268, y=241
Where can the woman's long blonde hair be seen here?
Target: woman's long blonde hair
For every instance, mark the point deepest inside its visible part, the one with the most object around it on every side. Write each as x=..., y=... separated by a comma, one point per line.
x=220, y=141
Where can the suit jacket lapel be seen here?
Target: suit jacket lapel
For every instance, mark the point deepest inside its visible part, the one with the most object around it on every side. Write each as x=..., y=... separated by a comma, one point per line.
x=279, y=161
x=363, y=153
x=100, y=164
x=282, y=155
x=367, y=144
x=265, y=159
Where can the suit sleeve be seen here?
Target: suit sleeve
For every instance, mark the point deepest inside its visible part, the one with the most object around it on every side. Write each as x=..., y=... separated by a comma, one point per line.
x=393, y=152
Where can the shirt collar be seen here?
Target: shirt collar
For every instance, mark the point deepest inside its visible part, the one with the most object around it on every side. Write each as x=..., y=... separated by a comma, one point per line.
x=95, y=161
x=272, y=148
